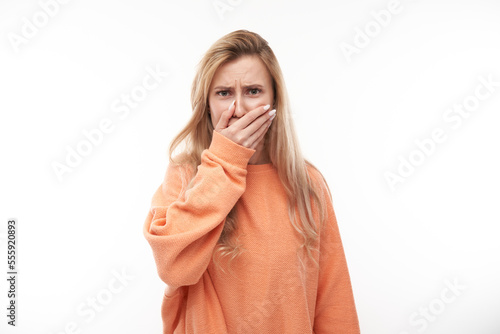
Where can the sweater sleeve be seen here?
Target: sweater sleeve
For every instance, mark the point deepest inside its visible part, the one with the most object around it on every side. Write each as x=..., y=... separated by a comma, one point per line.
x=183, y=226
x=335, y=305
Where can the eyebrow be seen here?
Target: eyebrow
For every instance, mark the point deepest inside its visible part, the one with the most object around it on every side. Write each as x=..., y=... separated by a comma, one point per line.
x=245, y=86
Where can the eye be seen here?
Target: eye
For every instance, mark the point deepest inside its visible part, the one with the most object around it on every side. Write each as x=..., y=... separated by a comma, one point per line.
x=254, y=91
x=223, y=93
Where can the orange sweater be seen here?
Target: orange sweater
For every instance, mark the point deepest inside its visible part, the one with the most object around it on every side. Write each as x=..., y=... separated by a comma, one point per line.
x=269, y=290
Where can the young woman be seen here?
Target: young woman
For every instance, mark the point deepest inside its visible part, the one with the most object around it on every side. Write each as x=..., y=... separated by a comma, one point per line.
x=242, y=227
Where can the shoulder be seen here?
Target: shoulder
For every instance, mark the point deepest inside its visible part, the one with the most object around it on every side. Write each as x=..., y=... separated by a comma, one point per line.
x=323, y=196
x=317, y=179
x=178, y=173
x=181, y=164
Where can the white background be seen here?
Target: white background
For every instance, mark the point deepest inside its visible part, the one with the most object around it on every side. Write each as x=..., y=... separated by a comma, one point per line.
x=354, y=116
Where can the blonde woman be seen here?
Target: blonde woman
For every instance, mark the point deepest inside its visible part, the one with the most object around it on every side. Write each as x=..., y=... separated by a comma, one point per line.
x=242, y=228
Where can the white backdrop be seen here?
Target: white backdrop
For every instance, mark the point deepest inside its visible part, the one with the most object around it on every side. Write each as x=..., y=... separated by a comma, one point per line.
x=397, y=103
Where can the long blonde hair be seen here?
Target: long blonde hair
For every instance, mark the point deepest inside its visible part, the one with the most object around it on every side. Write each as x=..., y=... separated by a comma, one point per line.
x=280, y=140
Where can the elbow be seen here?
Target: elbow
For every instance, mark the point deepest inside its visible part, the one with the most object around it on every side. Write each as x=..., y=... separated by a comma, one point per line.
x=180, y=274
x=176, y=278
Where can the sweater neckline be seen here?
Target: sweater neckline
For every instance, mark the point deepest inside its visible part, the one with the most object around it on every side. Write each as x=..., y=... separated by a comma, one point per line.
x=260, y=168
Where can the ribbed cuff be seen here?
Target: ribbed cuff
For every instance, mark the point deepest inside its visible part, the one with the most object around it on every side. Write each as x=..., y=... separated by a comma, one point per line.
x=227, y=150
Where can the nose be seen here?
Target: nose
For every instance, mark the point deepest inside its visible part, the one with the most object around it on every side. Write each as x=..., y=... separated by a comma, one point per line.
x=240, y=108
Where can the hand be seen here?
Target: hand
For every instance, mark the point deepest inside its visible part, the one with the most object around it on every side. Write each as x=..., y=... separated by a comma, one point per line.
x=249, y=130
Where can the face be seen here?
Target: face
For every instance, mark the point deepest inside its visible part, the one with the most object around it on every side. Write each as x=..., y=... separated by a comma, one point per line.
x=245, y=80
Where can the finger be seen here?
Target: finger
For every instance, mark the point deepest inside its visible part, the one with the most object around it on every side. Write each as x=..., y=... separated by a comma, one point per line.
x=262, y=121
x=250, y=117
x=261, y=133
x=252, y=131
x=226, y=116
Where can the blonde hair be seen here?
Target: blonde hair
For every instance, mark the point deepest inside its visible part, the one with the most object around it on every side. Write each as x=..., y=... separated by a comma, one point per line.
x=280, y=141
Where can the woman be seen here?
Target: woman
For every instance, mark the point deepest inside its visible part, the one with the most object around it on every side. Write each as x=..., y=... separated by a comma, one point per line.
x=242, y=228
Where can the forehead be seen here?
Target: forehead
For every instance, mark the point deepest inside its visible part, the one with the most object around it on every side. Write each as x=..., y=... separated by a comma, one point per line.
x=245, y=70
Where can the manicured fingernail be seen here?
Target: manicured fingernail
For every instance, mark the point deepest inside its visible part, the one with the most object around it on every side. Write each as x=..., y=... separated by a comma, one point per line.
x=272, y=112
x=266, y=108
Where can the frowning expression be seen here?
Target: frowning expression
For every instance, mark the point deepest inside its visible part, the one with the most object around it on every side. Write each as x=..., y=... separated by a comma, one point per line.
x=244, y=80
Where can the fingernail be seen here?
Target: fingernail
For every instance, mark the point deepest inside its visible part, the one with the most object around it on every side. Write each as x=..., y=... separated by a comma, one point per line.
x=266, y=108
x=272, y=112
x=232, y=103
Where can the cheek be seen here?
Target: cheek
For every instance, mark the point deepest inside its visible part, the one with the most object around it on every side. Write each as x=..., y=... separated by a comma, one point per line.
x=214, y=112
x=218, y=107
x=253, y=103
x=215, y=116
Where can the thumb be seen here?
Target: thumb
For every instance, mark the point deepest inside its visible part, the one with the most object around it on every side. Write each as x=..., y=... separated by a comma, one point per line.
x=225, y=117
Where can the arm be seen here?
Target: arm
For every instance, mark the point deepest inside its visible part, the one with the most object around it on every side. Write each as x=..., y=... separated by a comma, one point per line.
x=335, y=306
x=183, y=227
